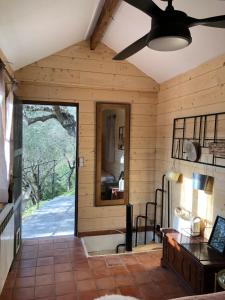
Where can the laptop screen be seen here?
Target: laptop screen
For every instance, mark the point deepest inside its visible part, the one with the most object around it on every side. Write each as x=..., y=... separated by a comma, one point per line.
x=217, y=237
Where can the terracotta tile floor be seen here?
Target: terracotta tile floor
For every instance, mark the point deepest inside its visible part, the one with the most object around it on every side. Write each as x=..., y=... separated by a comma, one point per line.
x=57, y=269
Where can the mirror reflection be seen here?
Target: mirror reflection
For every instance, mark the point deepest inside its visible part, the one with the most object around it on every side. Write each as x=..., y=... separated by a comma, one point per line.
x=112, y=170
x=112, y=153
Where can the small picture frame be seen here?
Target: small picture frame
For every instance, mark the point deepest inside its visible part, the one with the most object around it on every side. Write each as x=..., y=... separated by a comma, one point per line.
x=121, y=138
x=217, y=237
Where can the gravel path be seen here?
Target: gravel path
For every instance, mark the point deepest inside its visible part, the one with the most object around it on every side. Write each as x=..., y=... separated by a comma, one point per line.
x=55, y=217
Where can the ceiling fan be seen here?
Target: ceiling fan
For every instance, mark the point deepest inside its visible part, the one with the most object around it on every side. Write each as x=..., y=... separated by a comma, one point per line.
x=169, y=28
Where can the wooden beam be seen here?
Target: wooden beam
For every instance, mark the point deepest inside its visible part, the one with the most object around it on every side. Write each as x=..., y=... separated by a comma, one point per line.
x=103, y=21
x=6, y=62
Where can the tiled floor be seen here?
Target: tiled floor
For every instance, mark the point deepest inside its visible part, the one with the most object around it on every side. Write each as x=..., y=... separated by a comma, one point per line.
x=57, y=269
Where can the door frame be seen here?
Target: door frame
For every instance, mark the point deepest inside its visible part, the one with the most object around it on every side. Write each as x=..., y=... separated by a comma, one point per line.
x=36, y=102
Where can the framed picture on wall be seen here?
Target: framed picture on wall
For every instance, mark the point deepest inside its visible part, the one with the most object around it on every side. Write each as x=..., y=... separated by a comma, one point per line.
x=121, y=138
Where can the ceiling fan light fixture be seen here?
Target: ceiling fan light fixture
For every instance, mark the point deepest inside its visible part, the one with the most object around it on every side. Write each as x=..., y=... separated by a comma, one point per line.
x=169, y=38
x=169, y=43
x=169, y=28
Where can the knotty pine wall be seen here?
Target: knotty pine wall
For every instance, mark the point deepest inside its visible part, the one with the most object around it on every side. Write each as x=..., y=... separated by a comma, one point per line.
x=199, y=91
x=82, y=76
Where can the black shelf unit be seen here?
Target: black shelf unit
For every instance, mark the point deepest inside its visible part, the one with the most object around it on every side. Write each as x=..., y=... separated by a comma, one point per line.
x=203, y=129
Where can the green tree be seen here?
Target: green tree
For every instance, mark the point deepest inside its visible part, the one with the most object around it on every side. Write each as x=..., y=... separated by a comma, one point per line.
x=48, y=136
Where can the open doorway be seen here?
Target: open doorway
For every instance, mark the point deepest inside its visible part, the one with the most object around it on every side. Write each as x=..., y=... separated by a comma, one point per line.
x=49, y=172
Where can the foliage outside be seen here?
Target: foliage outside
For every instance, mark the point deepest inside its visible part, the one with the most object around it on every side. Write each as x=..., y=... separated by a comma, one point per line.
x=48, y=153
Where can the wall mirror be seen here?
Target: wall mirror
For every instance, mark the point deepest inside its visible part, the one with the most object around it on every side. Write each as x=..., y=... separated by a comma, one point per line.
x=112, y=153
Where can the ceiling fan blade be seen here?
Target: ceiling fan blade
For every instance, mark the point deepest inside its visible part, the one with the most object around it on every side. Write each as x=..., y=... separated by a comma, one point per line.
x=133, y=48
x=218, y=22
x=147, y=6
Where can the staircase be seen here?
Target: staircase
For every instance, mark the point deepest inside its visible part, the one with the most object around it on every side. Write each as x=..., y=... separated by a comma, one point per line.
x=155, y=206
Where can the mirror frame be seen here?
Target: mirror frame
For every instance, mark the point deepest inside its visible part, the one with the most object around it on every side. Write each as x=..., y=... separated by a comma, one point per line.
x=100, y=106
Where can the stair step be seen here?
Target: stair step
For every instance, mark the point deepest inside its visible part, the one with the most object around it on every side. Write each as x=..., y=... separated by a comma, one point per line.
x=148, y=247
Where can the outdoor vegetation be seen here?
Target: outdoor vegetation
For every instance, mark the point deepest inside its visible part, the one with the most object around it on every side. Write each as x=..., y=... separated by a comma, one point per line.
x=49, y=162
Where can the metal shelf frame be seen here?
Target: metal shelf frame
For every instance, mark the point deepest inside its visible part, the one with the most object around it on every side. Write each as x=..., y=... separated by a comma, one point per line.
x=198, y=132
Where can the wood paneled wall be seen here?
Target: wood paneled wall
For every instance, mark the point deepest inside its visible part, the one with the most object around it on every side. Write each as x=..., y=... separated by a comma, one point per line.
x=199, y=91
x=79, y=75
x=82, y=76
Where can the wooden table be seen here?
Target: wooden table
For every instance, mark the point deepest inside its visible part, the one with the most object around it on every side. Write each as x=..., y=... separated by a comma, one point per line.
x=191, y=260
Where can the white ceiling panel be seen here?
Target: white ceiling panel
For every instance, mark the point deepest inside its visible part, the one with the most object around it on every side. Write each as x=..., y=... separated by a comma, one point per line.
x=33, y=29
